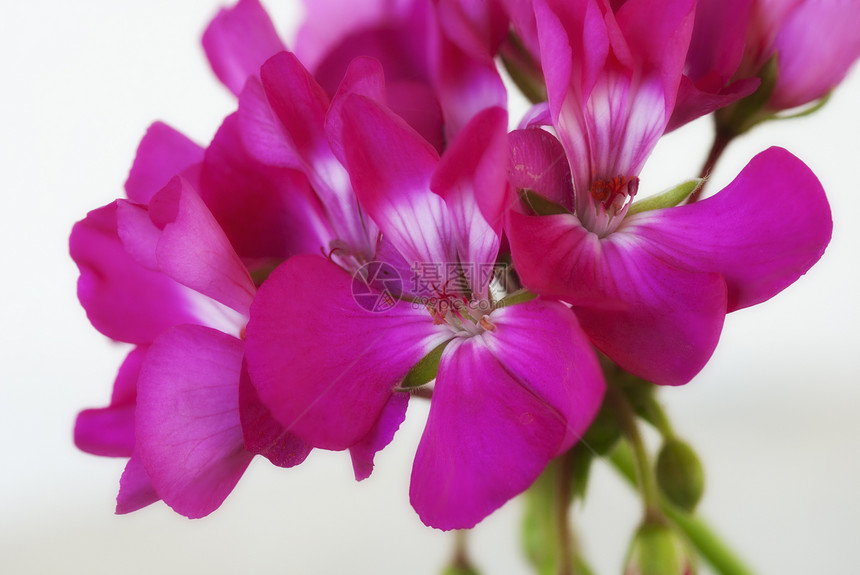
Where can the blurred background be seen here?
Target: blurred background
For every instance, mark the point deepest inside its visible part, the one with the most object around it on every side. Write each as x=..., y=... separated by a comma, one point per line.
x=774, y=416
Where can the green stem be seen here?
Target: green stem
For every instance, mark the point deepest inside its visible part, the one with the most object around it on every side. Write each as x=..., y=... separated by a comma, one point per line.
x=702, y=537
x=642, y=464
x=721, y=141
x=562, y=507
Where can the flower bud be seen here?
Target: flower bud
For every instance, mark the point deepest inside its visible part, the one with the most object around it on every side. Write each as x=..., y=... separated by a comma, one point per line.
x=680, y=474
x=658, y=550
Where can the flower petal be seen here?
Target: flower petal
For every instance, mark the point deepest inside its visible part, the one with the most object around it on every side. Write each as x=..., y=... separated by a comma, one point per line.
x=109, y=431
x=363, y=452
x=500, y=412
x=188, y=430
x=390, y=166
x=761, y=232
x=265, y=211
x=654, y=319
x=238, y=41
x=123, y=300
x=163, y=153
x=263, y=434
x=325, y=366
x=193, y=249
x=471, y=173
x=135, y=488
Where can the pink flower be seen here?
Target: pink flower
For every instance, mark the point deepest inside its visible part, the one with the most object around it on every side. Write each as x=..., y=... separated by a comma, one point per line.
x=651, y=289
x=161, y=273
x=516, y=385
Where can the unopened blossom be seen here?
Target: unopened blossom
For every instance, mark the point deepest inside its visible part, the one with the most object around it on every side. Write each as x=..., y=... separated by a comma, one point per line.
x=516, y=385
x=651, y=289
x=814, y=42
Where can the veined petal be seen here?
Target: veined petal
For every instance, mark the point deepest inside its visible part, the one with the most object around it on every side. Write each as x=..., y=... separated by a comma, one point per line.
x=761, y=232
x=300, y=105
x=123, y=300
x=238, y=41
x=109, y=431
x=163, y=153
x=325, y=366
x=391, y=166
x=135, y=487
x=194, y=251
x=500, y=413
x=265, y=211
x=538, y=163
x=655, y=319
x=263, y=434
x=363, y=452
x=188, y=430
x=472, y=174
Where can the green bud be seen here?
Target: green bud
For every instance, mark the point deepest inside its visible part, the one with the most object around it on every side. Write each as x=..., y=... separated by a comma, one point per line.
x=658, y=550
x=680, y=474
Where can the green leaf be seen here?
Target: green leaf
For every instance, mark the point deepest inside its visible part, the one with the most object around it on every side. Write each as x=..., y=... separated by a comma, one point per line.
x=425, y=370
x=667, y=199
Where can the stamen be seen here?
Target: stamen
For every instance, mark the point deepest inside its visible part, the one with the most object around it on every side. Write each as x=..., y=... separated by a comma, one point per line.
x=486, y=324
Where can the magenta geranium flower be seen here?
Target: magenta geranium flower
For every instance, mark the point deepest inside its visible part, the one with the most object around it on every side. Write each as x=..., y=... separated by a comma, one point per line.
x=651, y=289
x=515, y=386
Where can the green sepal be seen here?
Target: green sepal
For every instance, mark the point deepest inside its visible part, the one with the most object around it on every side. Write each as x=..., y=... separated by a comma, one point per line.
x=666, y=199
x=520, y=296
x=540, y=205
x=680, y=474
x=425, y=370
x=737, y=118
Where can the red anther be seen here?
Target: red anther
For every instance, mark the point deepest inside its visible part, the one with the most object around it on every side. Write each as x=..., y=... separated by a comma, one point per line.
x=486, y=324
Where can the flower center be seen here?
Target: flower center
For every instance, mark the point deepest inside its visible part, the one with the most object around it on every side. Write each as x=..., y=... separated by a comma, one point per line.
x=607, y=202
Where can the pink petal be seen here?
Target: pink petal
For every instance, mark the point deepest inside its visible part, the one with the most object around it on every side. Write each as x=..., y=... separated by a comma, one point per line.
x=163, y=153
x=238, y=41
x=123, y=300
x=717, y=43
x=390, y=166
x=504, y=405
x=263, y=434
x=194, y=251
x=266, y=212
x=188, y=430
x=327, y=376
x=761, y=232
x=109, y=431
x=693, y=102
x=300, y=105
x=658, y=34
x=471, y=173
x=135, y=487
x=653, y=318
x=538, y=163
x=466, y=81
x=363, y=452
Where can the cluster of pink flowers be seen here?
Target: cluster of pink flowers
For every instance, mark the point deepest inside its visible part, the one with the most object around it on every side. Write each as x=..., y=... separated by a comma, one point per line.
x=365, y=227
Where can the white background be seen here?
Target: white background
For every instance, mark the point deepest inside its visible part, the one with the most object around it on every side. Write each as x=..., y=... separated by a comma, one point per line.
x=774, y=415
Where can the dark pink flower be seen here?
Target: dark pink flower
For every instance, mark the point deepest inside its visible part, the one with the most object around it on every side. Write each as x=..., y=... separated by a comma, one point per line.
x=651, y=289
x=515, y=386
